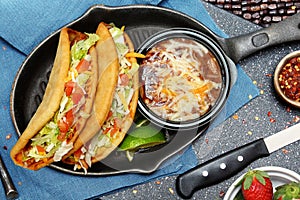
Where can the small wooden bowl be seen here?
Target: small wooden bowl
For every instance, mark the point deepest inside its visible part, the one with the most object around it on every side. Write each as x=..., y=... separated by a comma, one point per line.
x=277, y=73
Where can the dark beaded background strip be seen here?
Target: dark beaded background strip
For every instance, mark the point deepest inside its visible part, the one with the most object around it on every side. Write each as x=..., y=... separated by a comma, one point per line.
x=261, y=12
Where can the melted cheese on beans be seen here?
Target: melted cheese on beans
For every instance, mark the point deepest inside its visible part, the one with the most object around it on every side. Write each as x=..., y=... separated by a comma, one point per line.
x=181, y=79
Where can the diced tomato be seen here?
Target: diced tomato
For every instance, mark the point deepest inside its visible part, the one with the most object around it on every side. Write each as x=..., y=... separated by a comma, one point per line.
x=69, y=117
x=40, y=149
x=117, y=123
x=63, y=126
x=69, y=86
x=124, y=79
x=116, y=127
x=106, y=131
x=83, y=66
x=110, y=131
x=113, y=131
x=61, y=136
x=109, y=114
x=76, y=97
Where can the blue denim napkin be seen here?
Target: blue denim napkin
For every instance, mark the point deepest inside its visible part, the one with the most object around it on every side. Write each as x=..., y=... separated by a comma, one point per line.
x=23, y=25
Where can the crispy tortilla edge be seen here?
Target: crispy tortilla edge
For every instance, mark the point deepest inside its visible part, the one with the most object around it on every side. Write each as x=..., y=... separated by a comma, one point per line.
x=90, y=97
x=51, y=99
x=103, y=152
x=108, y=79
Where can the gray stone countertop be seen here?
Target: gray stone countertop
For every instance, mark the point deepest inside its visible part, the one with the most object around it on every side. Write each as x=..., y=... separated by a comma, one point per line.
x=261, y=117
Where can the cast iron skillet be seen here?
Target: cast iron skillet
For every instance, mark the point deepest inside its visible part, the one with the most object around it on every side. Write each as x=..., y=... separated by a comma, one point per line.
x=141, y=22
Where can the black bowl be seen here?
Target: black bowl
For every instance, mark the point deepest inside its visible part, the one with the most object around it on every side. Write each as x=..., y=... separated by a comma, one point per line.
x=226, y=75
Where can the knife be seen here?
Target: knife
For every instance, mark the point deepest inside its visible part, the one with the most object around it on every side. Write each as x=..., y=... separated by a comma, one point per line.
x=9, y=187
x=230, y=163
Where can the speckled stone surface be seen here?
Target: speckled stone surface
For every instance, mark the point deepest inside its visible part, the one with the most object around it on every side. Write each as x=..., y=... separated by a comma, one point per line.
x=261, y=117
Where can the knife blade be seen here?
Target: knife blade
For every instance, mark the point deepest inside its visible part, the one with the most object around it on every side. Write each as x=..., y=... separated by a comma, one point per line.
x=230, y=163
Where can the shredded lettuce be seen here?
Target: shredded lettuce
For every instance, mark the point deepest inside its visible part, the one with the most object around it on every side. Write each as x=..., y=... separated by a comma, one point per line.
x=82, y=79
x=80, y=48
x=100, y=140
x=116, y=32
x=118, y=38
x=33, y=153
x=46, y=135
x=47, y=138
x=134, y=69
x=122, y=49
x=65, y=105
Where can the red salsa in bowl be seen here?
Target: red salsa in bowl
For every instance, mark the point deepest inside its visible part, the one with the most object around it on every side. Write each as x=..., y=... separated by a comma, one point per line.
x=287, y=79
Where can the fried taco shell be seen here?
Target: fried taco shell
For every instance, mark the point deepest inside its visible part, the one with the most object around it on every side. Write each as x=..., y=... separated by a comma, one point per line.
x=67, y=103
x=121, y=112
x=126, y=122
x=108, y=71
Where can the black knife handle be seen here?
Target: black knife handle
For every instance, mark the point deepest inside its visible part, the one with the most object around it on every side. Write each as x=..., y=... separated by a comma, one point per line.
x=9, y=187
x=219, y=168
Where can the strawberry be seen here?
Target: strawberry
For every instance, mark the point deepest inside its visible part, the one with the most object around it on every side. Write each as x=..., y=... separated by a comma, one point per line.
x=256, y=185
x=290, y=191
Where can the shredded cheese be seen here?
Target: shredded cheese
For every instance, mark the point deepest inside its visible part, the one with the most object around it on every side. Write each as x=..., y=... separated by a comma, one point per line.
x=177, y=85
x=123, y=100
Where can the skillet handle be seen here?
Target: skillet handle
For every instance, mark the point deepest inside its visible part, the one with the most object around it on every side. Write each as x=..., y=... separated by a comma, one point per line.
x=285, y=31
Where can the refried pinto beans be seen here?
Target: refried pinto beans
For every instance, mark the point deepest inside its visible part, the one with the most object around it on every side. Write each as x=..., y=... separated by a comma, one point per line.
x=181, y=79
